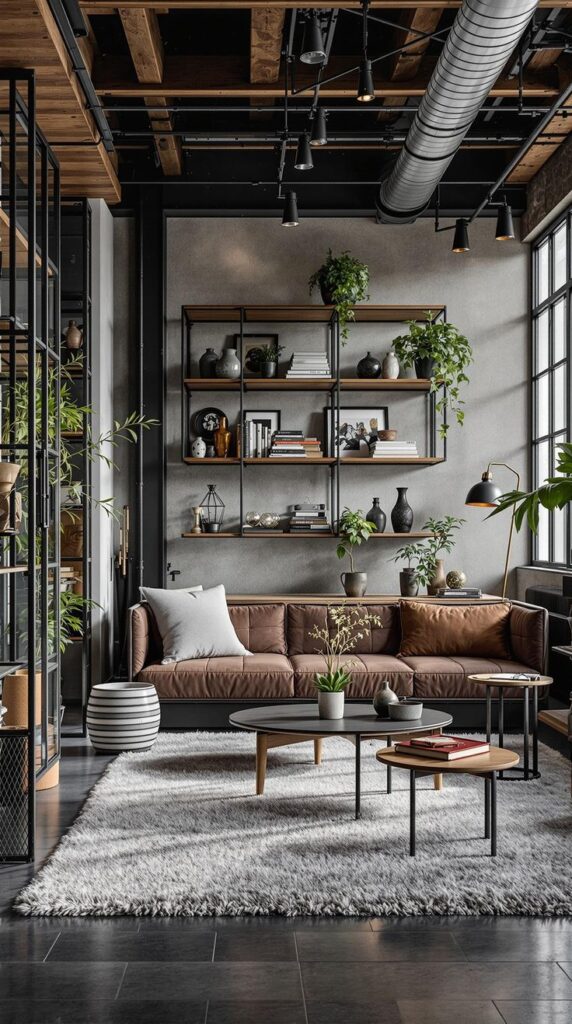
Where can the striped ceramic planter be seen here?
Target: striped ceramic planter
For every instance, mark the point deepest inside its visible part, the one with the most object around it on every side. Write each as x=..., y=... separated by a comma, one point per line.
x=123, y=716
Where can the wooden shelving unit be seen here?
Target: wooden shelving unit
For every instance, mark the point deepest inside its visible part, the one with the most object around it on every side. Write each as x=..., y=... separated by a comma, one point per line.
x=284, y=535
x=332, y=388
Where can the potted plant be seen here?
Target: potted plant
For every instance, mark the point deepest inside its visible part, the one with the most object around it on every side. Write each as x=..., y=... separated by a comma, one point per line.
x=343, y=281
x=429, y=570
x=268, y=359
x=344, y=627
x=354, y=530
x=441, y=354
x=408, y=580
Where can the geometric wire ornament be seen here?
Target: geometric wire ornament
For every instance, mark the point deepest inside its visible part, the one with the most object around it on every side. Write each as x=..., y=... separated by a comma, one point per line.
x=212, y=510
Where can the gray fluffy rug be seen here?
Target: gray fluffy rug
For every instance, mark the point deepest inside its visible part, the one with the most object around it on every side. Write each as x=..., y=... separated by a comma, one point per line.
x=178, y=831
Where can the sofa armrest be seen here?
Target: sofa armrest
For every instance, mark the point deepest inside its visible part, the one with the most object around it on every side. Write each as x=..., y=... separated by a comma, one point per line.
x=139, y=640
x=528, y=626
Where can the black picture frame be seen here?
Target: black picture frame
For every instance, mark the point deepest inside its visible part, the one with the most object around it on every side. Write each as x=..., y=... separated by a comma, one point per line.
x=357, y=441
x=250, y=342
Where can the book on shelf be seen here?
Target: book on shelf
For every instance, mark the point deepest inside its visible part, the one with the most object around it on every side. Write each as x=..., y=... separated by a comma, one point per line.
x=308, y=364
x=442, y=748
x=461, y=592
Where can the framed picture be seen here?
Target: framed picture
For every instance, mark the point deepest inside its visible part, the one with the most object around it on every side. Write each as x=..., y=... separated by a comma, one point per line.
x=359, y=426
x=251, y=346
x=257, y=442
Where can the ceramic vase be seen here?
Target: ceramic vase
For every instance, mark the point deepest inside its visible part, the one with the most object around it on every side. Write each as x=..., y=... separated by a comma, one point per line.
x=369, y=367
x=402, y=513
x=207, y=363
x=377, y=516
x=222, y=438
x=408, y=585
x=198, y=448
x=383, y=698
x=438, y=579
x=390, y=367
x=331, y=705
x=8, y=475
x=228, y=366
x=123, y=716
x=73, y=335
x=354, y=583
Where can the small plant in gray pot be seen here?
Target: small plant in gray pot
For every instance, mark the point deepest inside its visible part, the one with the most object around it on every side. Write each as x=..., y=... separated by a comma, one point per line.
x=343, y=630
x=343, y=281
x=268, y=359
x=408, y=580
x=354, y=529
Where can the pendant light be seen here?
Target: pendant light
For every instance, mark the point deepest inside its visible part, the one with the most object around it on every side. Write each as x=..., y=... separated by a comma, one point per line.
x=290, y=215
x=313, y=51
x=303, y=161
x=366, y=91
x=319, y=135
x=461, y=237
x=505, y=226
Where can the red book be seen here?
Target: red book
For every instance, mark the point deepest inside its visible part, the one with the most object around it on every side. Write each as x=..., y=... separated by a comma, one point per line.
x=443, y=748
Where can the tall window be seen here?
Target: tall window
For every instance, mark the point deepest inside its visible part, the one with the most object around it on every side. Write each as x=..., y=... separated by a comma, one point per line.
x=552, y=290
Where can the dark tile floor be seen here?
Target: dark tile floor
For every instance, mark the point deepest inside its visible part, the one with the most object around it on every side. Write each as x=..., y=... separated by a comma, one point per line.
x=246, y=971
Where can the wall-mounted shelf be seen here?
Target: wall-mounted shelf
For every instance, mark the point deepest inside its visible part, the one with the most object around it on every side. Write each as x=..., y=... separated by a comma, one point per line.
x=420, y=460
x=307, y=314
x=284, y=535
x=306, y=384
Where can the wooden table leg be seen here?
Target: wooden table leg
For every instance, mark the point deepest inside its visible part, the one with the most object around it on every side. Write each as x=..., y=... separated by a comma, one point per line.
x=261, y=757
x=318, y=750
x=438, y=782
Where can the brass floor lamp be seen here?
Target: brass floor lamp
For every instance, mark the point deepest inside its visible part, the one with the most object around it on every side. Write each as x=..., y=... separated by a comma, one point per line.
x=486, y=494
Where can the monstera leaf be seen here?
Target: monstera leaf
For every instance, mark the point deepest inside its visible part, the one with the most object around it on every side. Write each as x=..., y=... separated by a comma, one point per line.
x=555, y=492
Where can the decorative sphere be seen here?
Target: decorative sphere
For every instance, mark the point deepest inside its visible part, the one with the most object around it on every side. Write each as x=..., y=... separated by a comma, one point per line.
x=269, y=520
x=456, y=579
x=252, y=518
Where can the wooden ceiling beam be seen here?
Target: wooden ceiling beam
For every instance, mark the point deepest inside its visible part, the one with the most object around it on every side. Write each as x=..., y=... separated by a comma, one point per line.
x=266, y=28
x=143, y=36
x=557, y=131
x=407, y=65
x=105, y=7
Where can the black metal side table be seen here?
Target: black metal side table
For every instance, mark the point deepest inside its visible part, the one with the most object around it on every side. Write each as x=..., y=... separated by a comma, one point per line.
x=502, y=681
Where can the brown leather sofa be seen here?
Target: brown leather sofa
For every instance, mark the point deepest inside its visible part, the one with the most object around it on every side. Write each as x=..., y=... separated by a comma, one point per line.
x=284, y=659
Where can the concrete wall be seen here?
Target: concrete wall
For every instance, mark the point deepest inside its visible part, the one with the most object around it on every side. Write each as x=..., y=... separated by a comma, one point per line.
x=254, y=260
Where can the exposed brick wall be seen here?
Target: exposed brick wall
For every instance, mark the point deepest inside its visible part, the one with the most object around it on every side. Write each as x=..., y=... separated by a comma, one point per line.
x=549, y=191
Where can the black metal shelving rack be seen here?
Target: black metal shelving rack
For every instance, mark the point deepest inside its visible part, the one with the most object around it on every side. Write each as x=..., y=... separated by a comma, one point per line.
x=332, y=390
x=77, y=372
x=29, y=387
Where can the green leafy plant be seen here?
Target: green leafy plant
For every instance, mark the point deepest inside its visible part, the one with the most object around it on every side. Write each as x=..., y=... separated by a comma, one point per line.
x=554, y=493
x=343, y=281
x=270, y=353
x=354, y=529
x=451, y=354
x=425, y=553
x=345, y=625
x=409, y=553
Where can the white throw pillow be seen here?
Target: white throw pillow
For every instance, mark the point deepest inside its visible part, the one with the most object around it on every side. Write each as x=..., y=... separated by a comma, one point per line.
x=193, y=623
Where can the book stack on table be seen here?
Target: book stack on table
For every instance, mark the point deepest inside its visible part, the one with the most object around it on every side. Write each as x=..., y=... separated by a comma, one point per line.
x=308, y=517
x=394, y=450
x=443, y=748
x=308, y=364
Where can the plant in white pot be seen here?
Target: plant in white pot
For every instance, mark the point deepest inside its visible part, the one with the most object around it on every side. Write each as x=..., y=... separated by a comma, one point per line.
x=344, y=627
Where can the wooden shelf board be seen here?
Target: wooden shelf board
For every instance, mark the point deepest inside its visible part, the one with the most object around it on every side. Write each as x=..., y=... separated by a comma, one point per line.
x=418, y=461
x=208, y=536
x=290, y=461
x=304, y=534
x=21, y=244
x=556, y=719
x=289, y=384
x=307, y=384
x=378, y=384
x=72, y=435
x=215, y=461
x=369, y=599
x=306, y=313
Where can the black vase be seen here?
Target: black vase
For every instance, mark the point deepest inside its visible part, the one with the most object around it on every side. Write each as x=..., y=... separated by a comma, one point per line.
x=377, y=516
x=424, y=368
x=402, y=513
x=369, y=367
x=207, y=363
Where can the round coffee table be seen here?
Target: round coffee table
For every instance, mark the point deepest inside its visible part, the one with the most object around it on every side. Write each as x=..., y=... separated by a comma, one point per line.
x=282, y=724
x=484, y=765
x=501, y=681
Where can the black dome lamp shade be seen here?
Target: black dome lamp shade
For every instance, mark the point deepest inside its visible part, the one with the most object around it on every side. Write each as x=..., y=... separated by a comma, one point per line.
x=304, y=160
x=313, y=51
x=505, y=226
x=290, y=215
x=485, y=494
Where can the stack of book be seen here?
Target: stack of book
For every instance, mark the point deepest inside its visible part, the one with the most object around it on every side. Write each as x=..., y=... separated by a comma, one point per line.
x=308, y=517
x=308, y=364
x=312, y=448
x=287, y=444
x=442, y=748
x=394, y=450
x=257, y=439
x=460, y=592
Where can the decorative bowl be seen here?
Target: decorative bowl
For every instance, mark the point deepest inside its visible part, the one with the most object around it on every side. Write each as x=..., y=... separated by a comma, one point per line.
x=387, y=435
x=407, y=710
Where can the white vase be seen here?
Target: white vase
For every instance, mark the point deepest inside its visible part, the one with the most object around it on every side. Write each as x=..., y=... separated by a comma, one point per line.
x=331, y=705
x=390, y=367
x=198, y=448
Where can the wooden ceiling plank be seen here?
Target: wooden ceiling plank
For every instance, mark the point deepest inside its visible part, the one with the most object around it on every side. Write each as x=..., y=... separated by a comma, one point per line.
x=555, y=133
x=266, y=29
x=407, y=65
x=105, y=7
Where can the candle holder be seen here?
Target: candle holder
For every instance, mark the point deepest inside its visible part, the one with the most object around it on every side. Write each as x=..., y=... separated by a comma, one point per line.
x=197, y=512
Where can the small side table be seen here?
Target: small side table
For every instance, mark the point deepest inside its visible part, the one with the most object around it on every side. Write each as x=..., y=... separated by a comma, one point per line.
x=492, y=680
x=483, y=765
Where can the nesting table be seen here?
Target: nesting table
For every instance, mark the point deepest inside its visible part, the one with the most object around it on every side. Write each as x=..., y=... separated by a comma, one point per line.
x=501, y=681
x=280, y=725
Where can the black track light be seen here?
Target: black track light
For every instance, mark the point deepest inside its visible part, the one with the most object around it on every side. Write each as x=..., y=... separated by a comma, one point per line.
x=313, y=51
x=290, y=215
x=461, y=237
x=319, y=135
x=505, y=226
x=366, y=91
x=303, y=161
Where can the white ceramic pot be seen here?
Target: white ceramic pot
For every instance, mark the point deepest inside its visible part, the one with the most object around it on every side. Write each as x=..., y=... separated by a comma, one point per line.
x=331, y=705
x=123, y=716
x=390, y=367
x=198, y=448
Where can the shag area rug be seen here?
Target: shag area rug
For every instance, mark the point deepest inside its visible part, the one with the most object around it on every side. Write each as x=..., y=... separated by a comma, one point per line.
x=178, y=831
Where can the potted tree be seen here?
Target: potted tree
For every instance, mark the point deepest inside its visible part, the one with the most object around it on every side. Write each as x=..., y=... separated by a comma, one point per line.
x=344, y=627
x=441, y=354
x=354, y=530
x=343, y=281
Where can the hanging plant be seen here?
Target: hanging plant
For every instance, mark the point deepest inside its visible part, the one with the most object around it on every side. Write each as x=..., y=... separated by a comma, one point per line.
x=343, y=281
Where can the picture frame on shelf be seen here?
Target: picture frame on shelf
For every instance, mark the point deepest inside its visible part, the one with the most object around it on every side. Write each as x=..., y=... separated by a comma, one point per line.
x=251, y=344
x=358, y=429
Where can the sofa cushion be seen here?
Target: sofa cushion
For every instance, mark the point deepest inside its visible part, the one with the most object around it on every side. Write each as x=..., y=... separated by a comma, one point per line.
x=447, y=677
x=368, y=673
x=528, y=636
x=382, y=639
x=260, y=627
x=474, y=631
x=266, y=676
